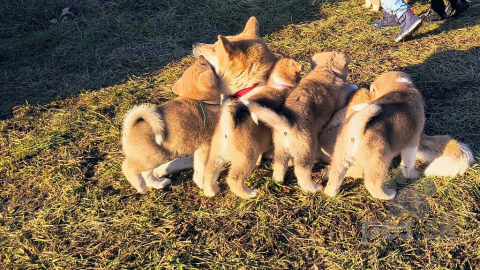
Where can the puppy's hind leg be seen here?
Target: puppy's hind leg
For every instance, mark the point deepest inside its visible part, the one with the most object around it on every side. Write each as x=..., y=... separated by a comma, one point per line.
x=237, y=175
x=408, y=162
x=135, y=178
x=336, y=173
x=280, y=164
x=303, y=165
x=375, y=173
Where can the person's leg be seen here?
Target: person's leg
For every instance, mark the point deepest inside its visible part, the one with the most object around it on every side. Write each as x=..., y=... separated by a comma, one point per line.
x=437, y=12
x=438, y=6
x=457, y=7
x=395, y=7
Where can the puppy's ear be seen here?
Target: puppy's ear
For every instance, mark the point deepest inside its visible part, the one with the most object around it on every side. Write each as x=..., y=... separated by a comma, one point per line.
x=373, y=89
x=285, y=73
x=201, y=61
x=295, y=66
x=226, y=45
x=345, y=59
x=251, y=28
x=206, y=80
x=177, y=87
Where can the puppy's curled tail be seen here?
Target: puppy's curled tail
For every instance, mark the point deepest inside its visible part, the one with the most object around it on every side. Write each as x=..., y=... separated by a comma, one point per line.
x=267, y=116
x=357, y=123
x=150, y=115
x=447, y=156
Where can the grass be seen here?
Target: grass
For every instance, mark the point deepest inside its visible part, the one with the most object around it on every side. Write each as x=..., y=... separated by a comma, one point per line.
x=64, y=202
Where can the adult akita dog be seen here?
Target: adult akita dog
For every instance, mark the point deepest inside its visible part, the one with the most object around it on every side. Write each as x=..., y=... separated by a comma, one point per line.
x=241, y=62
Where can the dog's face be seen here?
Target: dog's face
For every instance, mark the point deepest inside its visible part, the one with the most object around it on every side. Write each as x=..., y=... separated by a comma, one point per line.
x=240, y=61
x=334, y=61
x=218, y=54
x=198, y=82
x=286, y=72
x=390, y=81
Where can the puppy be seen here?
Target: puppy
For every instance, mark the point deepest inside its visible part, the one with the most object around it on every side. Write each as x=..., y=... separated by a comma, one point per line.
x=239, y=139
x=396, y=124
x=180, y=127
x=445, y=156
x=306, y=111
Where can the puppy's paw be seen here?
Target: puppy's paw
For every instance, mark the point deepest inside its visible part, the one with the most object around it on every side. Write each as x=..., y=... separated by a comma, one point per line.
x=211, y=191
x=198, y=180
x=375, y=7
x=252, y=194
x=312, y=188
x=279, y=178
x=389, y=194
x=159, y=183
x=414, y=174
x=330, y=191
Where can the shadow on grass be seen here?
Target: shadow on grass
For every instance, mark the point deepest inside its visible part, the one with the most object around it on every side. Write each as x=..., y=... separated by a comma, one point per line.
x=98, y=44
x=451, y=92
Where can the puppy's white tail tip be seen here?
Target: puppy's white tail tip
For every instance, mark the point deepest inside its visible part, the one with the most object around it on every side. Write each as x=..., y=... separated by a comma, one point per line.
x=450, y=166
x=254, y=118
x=150, y=115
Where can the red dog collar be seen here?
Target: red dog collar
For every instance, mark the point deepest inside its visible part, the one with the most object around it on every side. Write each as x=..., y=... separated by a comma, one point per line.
x=244, y=91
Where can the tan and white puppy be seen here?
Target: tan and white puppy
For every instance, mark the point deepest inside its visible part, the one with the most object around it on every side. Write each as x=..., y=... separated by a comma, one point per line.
x=241, y=141
x=306, y=111
x=396, y=124
x=445, y=156
x=178, y=128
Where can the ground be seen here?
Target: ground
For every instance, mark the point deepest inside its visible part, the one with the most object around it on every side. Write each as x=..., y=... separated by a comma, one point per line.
x=67, y=84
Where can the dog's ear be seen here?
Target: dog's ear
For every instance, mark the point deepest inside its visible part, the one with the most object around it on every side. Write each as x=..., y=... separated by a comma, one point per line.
x=373, y=89
x=286, y=72
x=251, y=28
x=226, y=45
x=202, y=62
x=296, y=66
x=343, y=58
x=178, y=87
x=206, y=80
